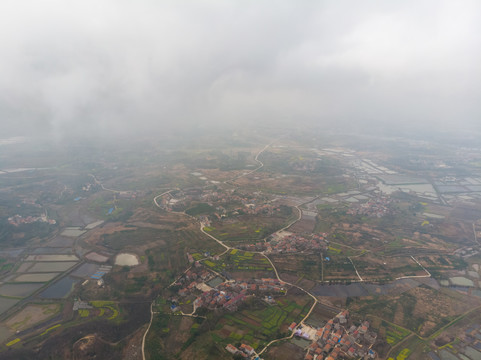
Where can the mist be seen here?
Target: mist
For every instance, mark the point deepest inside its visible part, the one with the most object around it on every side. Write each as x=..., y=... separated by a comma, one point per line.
x=119, y=68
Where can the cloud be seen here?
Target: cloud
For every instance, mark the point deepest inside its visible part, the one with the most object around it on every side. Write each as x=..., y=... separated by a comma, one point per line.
x=118, y=66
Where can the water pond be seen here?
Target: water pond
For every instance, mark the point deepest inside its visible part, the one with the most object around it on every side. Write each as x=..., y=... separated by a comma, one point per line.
x=60, y=289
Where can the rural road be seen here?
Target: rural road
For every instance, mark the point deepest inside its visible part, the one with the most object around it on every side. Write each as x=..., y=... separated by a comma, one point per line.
x=220, y=242
x=227, y=248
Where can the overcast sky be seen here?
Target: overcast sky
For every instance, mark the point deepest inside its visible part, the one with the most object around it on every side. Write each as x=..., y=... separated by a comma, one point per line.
x=119, y=66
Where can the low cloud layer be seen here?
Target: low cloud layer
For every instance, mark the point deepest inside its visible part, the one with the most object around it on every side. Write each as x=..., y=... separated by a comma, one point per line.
x=116, y=67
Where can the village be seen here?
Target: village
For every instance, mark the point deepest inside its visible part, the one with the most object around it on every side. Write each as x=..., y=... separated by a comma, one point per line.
x=223, y=204
x=18, y=220
x=375, y=207
x=206, y=289
x=339, y=338
x=287, y=242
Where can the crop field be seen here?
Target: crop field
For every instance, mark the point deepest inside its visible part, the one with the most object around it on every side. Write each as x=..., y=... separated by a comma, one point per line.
x=402, y=355
x=246, y=229
x=149, y=237
x=307, y=266
x=42, y=277
x=18, y=290
x=85, y=270
x=131, y=238
x=200, y=209
x=436, y=263
x=50, y=329
x=57, y=266
x=101, y=309
x=391, y=332
x=51, y=258
x=414, y=348
x=338, y=268
x=238, y=260
x=107, y=308
x=371, y=266
x=31, y=315
x=258, y=326
x=6, y=303
x=422, y=310
x=73, y=232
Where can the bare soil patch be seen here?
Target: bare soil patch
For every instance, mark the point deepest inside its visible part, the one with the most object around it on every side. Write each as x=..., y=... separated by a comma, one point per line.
x=31, y=315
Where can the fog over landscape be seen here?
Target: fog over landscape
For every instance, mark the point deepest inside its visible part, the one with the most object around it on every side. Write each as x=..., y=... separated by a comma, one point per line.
x=119, y=67
x=240, y=179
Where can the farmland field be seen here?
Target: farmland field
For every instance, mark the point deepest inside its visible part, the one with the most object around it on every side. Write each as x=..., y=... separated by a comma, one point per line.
x=236, y=260
x=31, y=315
x=42, y=277
x=6, y=304
x=371, y=266
x=57, y=266
x=51, y=258
x=20, y=290
x=247, y=229
x=259, y=325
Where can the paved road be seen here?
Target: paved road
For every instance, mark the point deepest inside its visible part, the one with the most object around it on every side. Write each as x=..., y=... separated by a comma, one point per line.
x=227, y=248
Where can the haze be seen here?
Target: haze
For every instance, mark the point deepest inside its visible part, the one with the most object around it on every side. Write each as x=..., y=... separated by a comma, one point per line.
x=120, y=67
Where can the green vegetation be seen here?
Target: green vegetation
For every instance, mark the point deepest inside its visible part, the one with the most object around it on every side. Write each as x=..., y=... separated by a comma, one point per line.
x=103, y=305
x=84, y=312
x=258, y=323
x=240, y=261
x=250, y=228
x=13, y=342
x=50, y=329
x=394, y=334
x=200, y=209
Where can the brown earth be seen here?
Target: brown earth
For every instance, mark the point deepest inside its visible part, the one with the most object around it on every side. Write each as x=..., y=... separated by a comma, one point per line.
x=31, y=315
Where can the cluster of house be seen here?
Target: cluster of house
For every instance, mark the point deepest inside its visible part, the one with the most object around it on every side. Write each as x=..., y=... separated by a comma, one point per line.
x=180, y=199
x=337, y=340
x=250, y=205
x=244, y=351
x=289, y=243
x=193, y=279
x=375, y=207
x=294, y=243
x=217, y=298
x=227, y=295
x=31, y=202
x=18, y=220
